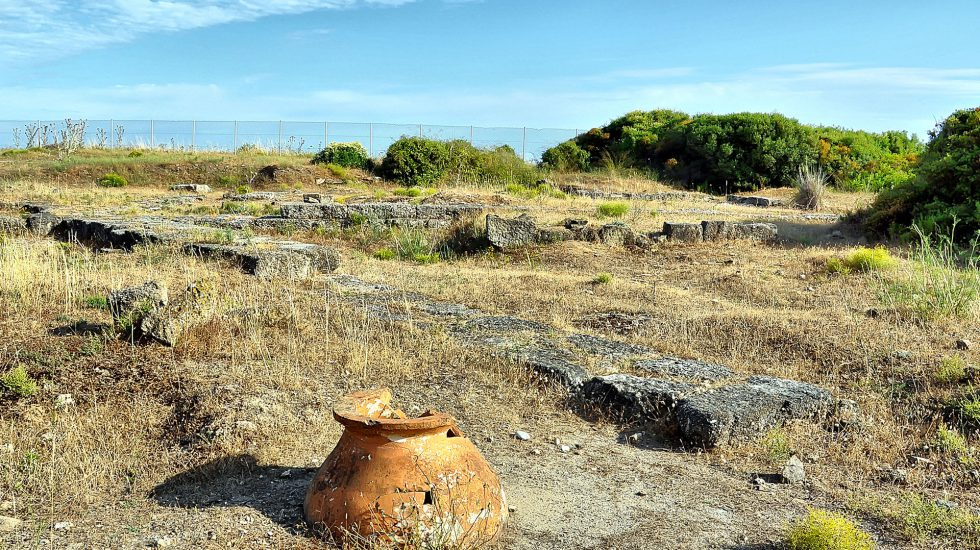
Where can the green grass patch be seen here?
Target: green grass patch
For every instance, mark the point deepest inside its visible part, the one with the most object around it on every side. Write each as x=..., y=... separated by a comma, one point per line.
x=613, y=209
x=18, y=382
x=96, y=302
x=385, y=254
x=951, y=369
x=870, y=259
x=112, y=179
x=776, y=445
x=823, y=530
x=950, y=442
x=922, y=519
x=602, y=279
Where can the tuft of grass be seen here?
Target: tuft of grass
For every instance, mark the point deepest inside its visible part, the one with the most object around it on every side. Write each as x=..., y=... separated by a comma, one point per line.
x=18, y=382
x=242, y=189
x=408, y=192
x=870, y=259
x=613, y=209
x=951, y=369
x=952, y=443
x=944, y=281
x=92, y=346
x=823, y=530
x=112, y=179
x=385, y=254
x=922, y=519
x=96, y=302
x=414, y=245
x=340, y=173
x=811, y=186
x=837, y=266
x=776, y=445
x=534, y=191
x=602, y=278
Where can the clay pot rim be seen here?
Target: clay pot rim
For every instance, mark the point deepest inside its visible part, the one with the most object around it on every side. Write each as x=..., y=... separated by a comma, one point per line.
x=349, y=413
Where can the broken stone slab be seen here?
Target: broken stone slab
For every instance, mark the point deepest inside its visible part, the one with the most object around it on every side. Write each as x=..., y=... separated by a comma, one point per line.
x=129, y=305
x=617, y=233
x=748, y=409
x=608, y=350
x=764, y=202
x=518, y=232
x=755, y=231
x=125, y=234
x=683, y=232
x=634, y=399
x=389, y=214
x=552, y=364
x=272, y=259
x=191, y=187
x=717, y=230
x=314, y=198
x=690, y=369
x=255, y=196
x=168, y=324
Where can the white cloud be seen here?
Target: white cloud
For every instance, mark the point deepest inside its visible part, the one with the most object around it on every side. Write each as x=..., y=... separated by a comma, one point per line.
x=32, y=31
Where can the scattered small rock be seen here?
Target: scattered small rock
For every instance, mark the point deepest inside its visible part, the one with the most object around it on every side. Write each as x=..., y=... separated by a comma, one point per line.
x=63, y=526
x=564, y=448
x=962, y=344
x=522, y=436
x=64, y=400
x=903, y=354
x=160, y=542
x=760, y=484
x=793, y=471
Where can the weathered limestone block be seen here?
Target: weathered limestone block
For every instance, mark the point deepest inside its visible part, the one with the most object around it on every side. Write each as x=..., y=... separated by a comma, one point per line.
x=634, y=399
x=755, y=231
x=169, y=323
x=690, y=369
x=129, y=305
x=683, y=232
x=12, y=225
x=272, y=260
x=191, y=187
x=521, y=231
x=748, y=409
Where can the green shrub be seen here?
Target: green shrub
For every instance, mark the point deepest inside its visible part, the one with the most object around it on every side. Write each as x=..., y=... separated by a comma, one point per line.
x=602, y=278
x=823, y=530
x=870, y=259
x=243, y=189
x=466, y=164
x=921, y=519
x=112, y=179
x=613, y=209
x=135, y=153
x=951, y=369
x=415, y=161
x=18, y=382
x=414, y=245
x=967, y=409
x=946, y=190
x=249, y=149
x=346, y=155
x=566, y=157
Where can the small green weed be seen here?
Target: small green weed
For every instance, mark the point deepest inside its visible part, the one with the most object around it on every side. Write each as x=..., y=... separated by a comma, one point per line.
x=408, y=192
x=870, y=259
x=602, y=278
x=922, y=519
x=96, y=302
x=776, y=445
x=18, y=382
x=92, y=346
x=837, y=266
x=613, y=209
x=951, y=442
x=242, y=189
x=823, y=530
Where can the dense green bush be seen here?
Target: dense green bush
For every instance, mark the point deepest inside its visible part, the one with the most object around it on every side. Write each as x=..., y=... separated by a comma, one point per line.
x=415, y=161
x=112, y=179
x=946, y=190
x=744, y=151
x=347, y=155
x=498, y=166
x=566, y=157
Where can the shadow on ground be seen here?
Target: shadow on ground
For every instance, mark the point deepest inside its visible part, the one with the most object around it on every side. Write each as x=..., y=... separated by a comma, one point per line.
x=275, y=491
x=80, y=328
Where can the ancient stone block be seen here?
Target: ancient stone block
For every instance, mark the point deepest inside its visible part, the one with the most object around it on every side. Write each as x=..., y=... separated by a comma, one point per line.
x=635, y=399
x=683, y=232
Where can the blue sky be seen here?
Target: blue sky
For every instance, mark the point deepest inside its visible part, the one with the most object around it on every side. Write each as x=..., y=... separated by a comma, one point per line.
x=873, y=64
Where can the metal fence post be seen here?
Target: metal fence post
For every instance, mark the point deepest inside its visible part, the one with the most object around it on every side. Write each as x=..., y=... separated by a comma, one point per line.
x=235, y=146
x=326, y=134
x=193, y=134
x=471, y=135
x=112, y=140
x=524, y=146
x=420, y=130
x=152, y=141
x=280, y=137
x=370, y=139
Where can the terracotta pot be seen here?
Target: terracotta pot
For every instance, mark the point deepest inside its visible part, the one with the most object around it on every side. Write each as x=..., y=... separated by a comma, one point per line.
x=404, y=479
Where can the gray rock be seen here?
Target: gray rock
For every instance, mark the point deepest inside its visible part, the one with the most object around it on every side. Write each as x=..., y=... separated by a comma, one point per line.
x=314, y=198
x=754, y=231
x=256, y=196
x=552, y=364
x=616, y=234
x=684, y=368
x=191, y=187
x=516, y=233
x=634, y=399
x=611, y=350
x=169, y=323
x=273, y=259
x=748, y=409
x=388, y=214
x=683, y=232
x=794, y=472
x=129, y=305
x=754, y=201
x=522, y=436
x=41, y=223
x=717, y=230
x=963, y=344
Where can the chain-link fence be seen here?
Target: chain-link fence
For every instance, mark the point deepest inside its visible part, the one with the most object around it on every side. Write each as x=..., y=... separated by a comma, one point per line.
x=278, y=136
